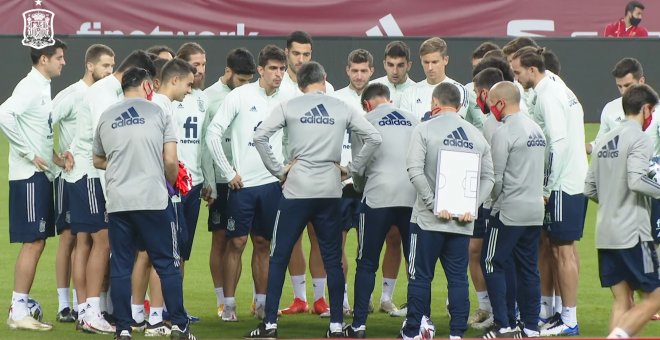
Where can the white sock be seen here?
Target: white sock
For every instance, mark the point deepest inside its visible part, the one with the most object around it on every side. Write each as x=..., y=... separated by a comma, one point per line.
x=230, y=301
x=63, y=298
x=138, y=313
x=299, y=289
x=546, y=307
x=104, y=304
x=388, y=289
x=569, y=316
x=319, y=288
x=219, y=296
x=335, y=327
x=346, y=304
x=270, y=326
x=484, y=301
x=19, y=308
x=155, y=315
x=82, y=308
x=75, y=299
x=94, y=305
x=260, y=300
x=558, y=305
x=618, y=333
x=530, y=333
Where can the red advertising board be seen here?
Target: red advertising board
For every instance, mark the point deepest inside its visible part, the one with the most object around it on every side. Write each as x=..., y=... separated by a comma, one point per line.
x=356, y=18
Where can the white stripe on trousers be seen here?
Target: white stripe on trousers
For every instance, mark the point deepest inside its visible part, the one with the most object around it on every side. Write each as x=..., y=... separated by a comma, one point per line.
x=646, y=258
x=360, y=236
x=273, y=240
x=492, y=243
x=31, y=214
x=60, y=195
x=175, y=246
x=411, y=256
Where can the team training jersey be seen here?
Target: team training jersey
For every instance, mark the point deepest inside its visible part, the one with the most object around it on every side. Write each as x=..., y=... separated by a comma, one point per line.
x=27, y=122
x=417, y=99
x=518, y=150
x=490, y=126
x=396, y=90
x=617, y=180
x=610, y=117
x=427, y=140
x=523, y=106
x=353, y=99
x=98, y=97
x=65, y=107
x=135, y=170
x=216, y=94
x=315, y=124
x=189, y=118
x=387, y=183
x=242, y=112
x=560, y=115
x=529, y=95
x=291, y=86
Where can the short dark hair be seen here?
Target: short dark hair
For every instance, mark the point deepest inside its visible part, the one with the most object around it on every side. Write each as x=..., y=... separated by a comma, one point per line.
x=637, y=96
x=360, y=56
x=531, y=57
x=300, y=37
x=310, y=73
x=551, y=61
x=94, y=53
x=397, y=49
x=447, y=94
x=483, y=48
x=241, y=61
x=188, y=49
x=495, y=54
x=158, y=64
x=488, y=77
x=158, y=49
x=133, y=77
x=176, y=67
x=632, y=5
x=497, y=63
x=628, y=65
x=47, y=51
x=138, y=58
x=375, y=90
x=271, y=52
x=514, y=45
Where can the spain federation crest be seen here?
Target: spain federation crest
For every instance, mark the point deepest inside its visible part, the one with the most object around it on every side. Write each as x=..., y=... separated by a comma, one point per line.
x=38, y=28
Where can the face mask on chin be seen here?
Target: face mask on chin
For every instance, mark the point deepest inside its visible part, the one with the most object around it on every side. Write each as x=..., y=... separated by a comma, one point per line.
x=482, y=104
x=497, y=113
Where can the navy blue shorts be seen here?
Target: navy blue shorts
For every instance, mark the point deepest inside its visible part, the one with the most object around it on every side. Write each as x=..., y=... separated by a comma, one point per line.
x=88, y=214
x=374, y=225
x=350, y=213
x=481, y=223
x=253, y=210
x=190, y=205
x=564, y=216
x=218, y=210
x=62, y=211
x=31, y=209
x=638, y=266
x=655, y=220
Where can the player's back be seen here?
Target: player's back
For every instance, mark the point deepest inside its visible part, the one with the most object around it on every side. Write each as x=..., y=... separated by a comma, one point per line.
x=387, y=183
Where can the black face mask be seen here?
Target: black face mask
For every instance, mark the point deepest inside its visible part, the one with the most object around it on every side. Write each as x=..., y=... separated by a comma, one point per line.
x=635, y=21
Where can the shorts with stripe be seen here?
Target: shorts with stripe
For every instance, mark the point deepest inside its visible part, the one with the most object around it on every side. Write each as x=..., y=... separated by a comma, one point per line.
x=31, y=209
x=62, y=212
x=638, y=266
x=350, y=207
x=655, y=220
x=565, y=215
x=481, y=223
x=252, y=210
x=218, y=210
x=87, y=206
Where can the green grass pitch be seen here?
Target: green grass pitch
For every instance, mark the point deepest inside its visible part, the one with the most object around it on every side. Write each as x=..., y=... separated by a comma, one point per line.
x=593, y=306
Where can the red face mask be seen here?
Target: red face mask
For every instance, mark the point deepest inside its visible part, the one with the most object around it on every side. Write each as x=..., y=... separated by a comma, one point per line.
x=482, y=104
x=367, y=106
x=436, y=110
x=149, y=91
x=647, y=122
x=497, y=113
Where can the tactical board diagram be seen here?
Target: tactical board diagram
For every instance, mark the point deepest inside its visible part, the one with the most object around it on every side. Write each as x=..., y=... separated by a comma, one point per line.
x=457, y=182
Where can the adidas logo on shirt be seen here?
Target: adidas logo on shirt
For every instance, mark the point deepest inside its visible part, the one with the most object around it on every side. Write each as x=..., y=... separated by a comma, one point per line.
x=317, y=115
x=459, y=139
x=128, y=117
x=253, y=109
x=394, y=118
x=419, y=100
x=536, y=139
x=180, y=105
x=611, y=149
